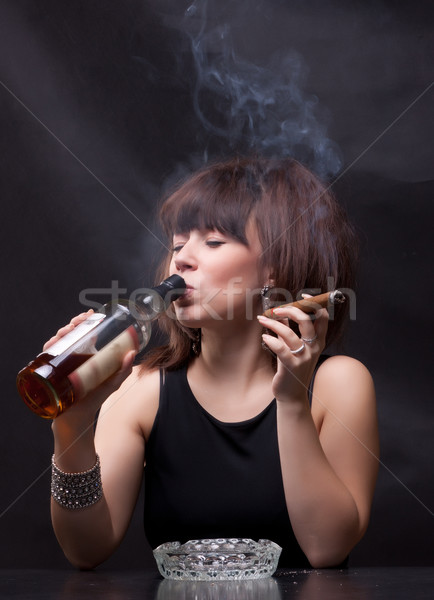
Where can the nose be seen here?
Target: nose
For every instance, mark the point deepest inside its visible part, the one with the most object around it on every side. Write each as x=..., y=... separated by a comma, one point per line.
x=185, y=260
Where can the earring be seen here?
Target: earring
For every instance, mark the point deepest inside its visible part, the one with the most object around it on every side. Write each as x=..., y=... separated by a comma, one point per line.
x=195, y=344
x=266, y=304
x=265, y=297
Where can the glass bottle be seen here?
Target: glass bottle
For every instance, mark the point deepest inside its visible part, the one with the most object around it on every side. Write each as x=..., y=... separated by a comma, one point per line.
x=93, y=351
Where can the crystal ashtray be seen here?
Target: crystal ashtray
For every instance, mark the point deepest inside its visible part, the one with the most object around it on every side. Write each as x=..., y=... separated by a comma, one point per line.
x=217, y=559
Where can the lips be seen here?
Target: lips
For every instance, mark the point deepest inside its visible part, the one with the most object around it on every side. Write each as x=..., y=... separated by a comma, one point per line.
x=189, y=289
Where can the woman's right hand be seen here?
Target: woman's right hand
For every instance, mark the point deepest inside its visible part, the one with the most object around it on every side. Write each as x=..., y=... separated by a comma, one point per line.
x=83, y=412
x=67, y=328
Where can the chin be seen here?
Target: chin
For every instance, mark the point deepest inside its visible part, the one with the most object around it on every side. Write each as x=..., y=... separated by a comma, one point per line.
x=187, y=316
x=195, y=317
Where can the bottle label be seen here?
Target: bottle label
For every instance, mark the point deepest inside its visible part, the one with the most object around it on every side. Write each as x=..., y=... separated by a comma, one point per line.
x=78, y=332
x=105, y=363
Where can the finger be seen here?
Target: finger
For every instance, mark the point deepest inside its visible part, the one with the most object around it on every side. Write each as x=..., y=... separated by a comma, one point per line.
x=67, y=328
x=276, y=345
x=310, y=325
x=283, y=352
x=55, y=338
x=50, y=342
x=73, y=323
x=293, y=313
x=285, y=333
x=315, y=332
x=64, y=330
x=81, y=317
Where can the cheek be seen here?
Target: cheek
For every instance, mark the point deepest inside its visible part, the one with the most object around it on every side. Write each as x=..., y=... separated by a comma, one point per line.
x=235, y=275
x=250, y=273
x=242, y=281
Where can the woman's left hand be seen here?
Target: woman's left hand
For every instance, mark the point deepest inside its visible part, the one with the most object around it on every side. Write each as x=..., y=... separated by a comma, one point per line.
x=296, y=355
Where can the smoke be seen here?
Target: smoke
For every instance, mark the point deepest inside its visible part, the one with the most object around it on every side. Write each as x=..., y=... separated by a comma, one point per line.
x=246, y=107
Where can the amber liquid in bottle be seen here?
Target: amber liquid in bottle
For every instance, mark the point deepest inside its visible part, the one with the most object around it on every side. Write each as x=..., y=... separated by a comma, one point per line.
x=49, y=396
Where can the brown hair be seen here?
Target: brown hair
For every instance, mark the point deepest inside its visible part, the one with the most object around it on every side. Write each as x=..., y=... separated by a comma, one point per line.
x=305, y=235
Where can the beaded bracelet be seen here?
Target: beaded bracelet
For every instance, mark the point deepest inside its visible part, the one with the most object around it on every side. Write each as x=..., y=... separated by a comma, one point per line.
x=76, y=490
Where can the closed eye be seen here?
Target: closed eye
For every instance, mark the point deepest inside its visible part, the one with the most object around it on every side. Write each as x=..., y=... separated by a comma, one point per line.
x=214, y=243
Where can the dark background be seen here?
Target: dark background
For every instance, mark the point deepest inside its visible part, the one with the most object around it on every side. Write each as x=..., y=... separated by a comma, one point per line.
x=103, y=104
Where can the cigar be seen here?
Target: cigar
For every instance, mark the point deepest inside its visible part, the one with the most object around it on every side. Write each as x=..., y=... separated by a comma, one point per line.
x=310, y=305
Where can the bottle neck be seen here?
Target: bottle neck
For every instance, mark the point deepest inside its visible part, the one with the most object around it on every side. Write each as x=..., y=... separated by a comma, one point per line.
x=158, y=298
x=151, y=304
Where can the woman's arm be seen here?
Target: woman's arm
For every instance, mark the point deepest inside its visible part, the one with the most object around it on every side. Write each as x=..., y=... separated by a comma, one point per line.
x=329, y=478
x=329, y=455
x=90, y=535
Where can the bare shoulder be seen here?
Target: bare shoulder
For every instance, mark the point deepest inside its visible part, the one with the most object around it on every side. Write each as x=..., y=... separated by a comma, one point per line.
x=343, y=385
x=135, y=402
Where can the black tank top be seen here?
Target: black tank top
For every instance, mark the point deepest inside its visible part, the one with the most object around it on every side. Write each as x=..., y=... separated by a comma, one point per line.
x=205, y=478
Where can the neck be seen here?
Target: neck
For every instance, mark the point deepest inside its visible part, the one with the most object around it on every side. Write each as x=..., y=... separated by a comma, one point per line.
x=226, y=351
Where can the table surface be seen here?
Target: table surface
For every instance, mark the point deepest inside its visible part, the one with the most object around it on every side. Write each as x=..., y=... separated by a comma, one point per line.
x=397, y=583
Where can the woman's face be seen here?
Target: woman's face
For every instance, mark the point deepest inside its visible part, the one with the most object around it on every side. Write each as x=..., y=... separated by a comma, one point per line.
x=222, y=275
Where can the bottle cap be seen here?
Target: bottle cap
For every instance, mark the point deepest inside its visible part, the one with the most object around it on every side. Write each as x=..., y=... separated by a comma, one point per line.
x=159, y=297
x=174, y=287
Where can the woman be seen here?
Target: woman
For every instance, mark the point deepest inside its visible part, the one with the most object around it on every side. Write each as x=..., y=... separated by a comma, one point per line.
x=246, y=430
